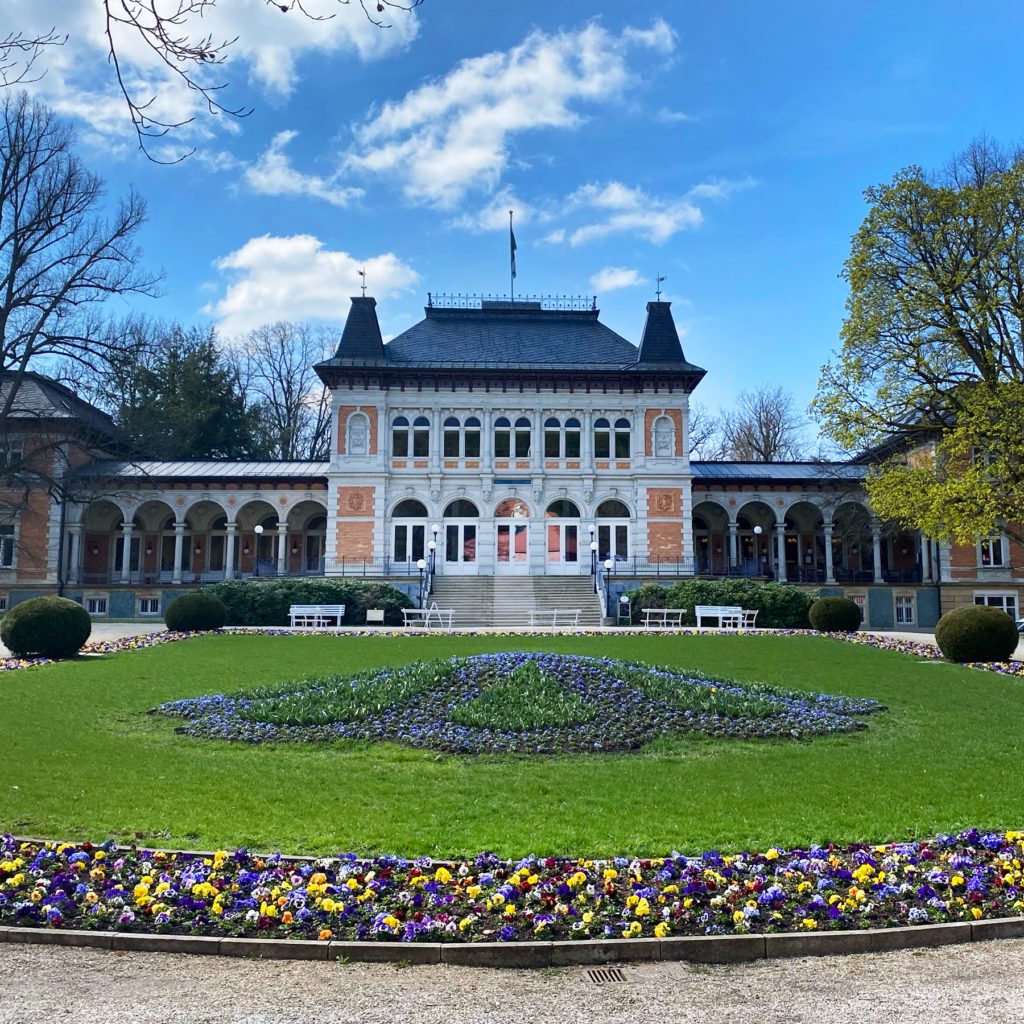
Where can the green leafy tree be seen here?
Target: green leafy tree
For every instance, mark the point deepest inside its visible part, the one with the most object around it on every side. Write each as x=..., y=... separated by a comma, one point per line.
x=188, y=404
x=931, y=366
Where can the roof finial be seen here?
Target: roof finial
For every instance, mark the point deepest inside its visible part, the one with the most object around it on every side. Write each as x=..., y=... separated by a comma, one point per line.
x=660, y=277
x=362, y=274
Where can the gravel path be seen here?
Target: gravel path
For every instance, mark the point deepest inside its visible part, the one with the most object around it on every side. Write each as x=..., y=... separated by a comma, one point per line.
x=956, y=984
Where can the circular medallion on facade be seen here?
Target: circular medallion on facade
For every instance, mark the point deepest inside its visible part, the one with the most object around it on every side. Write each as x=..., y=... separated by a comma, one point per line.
x=732, y=502
x=282, y=500
x=780, y=502
x=232, y=501
x=179, y=501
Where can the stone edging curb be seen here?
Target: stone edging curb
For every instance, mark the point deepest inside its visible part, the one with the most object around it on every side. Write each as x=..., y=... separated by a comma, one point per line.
x=716, y=949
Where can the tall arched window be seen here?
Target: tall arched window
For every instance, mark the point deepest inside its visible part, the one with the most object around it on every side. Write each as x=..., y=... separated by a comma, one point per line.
x=562, y=441
x=420, y=437
x=461, y=440
x=573, y=431
x=602, y=439
x=552, y=438
x=400, y=438
x=562, y=532
x=471, y=438
x=502, y=438
x=408, y=531
x=613, y=530
x=452, y=434
x=522, y=438
x=460, y=536
x=622, y=445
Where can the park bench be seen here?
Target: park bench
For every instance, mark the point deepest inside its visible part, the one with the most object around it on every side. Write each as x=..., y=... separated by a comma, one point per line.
x=424, y=616
x=727, y=616
x=316, y=615
x=552, y=614
x=662, y=618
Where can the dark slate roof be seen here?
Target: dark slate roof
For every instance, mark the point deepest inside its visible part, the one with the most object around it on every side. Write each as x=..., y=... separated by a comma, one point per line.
x=205, y=469
x=778, y=471
x=512, y=335
x=40, y=398
x=659, y=344
x=361, y=339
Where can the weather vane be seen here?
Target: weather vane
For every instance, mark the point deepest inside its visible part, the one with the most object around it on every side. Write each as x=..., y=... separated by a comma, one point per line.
x=362, y=274
x=661, y=277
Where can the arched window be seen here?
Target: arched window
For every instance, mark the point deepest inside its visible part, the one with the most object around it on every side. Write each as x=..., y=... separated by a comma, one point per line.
x=622, y=447
x=502, y=438
x=461, y=509
x=400, y=438
x=512, y=508
x=410, y=508
x=461, y=441
x=602, y=439
x=451, y=437
x=522, y=438
x=572, y=438
x=562, y=508
x=421, y=437
x=471, y=438
x=552, y=438
x=612, y=509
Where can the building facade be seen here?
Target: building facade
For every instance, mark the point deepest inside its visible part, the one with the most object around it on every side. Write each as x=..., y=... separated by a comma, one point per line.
x=490, y=439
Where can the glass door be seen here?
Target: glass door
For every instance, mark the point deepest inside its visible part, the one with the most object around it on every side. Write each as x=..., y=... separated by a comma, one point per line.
x=460, y=547
x=408, y=543
x=613, y=541
x=513, y=547
x=563, y=546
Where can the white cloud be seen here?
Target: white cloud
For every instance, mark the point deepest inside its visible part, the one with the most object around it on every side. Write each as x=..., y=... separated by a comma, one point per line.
x=455, y=134
x=556, y=237
x=80, y=83
x=611, y=278
x=493, y=215
x=296, y=278
x=626, y=210
x=666, y=115
x=273, y=175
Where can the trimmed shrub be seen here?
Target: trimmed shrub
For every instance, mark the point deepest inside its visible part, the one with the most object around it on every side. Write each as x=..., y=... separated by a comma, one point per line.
x=53, y=627
x=779, y=605
x=195, y=611
x=266, y=602
x=977, y=633
x=835, y=615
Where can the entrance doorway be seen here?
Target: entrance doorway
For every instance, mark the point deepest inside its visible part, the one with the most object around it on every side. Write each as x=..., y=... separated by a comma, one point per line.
x=460, y=530
x=512, y=551
x=563, y=530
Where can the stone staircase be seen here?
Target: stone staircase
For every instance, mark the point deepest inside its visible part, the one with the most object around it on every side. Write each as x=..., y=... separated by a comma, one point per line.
x=505, y=601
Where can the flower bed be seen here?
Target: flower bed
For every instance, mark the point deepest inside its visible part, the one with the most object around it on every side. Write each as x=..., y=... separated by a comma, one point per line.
x=968, y=877
x=516, y=702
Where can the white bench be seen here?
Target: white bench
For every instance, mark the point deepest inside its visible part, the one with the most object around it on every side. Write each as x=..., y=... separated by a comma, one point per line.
x=553, y=614
x=729, y=616
x=662, y=618
x=375, y=616
x=315, y=615
x=424, y=616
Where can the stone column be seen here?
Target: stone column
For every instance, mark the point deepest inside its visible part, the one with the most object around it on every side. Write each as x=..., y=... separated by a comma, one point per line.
x=229, y=551
x=74, y=553
x=179, y=547
x=780, y=552
x=830, y=574
x=126, y=553
x=282, y=549
x=876, y=552
x=734, y=555
x=587, y=442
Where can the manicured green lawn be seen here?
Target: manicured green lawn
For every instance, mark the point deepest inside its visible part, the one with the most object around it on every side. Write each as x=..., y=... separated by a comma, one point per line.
x=79, y=758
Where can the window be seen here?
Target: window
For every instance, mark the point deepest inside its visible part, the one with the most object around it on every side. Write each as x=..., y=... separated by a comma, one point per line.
x=522, y=438
x=991, y=552
x=6, y=547
x=1005, y=600
x=552, y=439
x=861, y=601
x=471, y=439
x=462, y=441
x=622, y=439
x=602, y=439
x=96, y=605
x=400, y=438
x=451, y=438
x=3, y=602
x=502, y=438
x=420, y=437
x=904, y=610
x=149, y=605
x=11, y=454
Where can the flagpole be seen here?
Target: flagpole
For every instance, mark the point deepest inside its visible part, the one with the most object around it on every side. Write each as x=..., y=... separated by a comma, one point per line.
x=512, y=260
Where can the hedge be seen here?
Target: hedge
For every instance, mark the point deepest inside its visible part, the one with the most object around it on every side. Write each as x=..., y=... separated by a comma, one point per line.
x=195, y=611
x=266, y=602
x=835, y=615
x=779, y=605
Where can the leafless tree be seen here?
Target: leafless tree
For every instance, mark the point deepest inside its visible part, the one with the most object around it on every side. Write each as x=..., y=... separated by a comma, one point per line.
x=765, y=426
x=165, y=28
x=705, y=434
x=276, y=367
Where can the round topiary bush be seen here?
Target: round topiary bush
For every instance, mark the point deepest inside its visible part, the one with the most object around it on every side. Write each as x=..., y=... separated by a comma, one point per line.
x=834, y=615
x=195, y=611
x=977, y=633
x=53, y=627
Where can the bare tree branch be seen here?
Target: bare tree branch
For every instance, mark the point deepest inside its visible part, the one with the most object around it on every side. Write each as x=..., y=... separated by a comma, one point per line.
x=765, y=426
x=19, y=53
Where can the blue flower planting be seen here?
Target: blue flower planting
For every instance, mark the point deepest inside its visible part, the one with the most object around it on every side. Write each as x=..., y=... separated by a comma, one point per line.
x=517, y=703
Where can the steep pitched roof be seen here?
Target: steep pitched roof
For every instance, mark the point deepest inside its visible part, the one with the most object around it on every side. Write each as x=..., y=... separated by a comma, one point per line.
x=361, y=340
x=660, y=343
x=39, y=398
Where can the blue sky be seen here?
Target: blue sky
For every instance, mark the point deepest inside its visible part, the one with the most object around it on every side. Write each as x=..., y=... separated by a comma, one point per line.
x=726, y=146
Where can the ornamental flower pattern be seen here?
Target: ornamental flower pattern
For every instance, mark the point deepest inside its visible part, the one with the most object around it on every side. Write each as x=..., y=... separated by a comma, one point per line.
x=966, y=877
x=609, y=706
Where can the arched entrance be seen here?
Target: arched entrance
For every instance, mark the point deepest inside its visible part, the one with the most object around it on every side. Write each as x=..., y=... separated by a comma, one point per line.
x=512, y=531
x=613, y=519
x=711, y=539
x=408, y=534
x=563, y=531
x=461, y=519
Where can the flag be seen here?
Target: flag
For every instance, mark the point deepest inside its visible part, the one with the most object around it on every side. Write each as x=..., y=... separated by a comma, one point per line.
x=512, y=244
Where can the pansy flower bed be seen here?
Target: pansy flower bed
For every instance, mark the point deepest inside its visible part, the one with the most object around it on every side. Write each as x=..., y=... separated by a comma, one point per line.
x=966, y=877
x=517, y=702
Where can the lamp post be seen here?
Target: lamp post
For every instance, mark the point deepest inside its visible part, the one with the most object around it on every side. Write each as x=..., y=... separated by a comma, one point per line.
x=258, y=530
x=757, y=550
x=609, y=565
x=593, y=562
x=435, y=530
x=421, y=565
x=432, y=548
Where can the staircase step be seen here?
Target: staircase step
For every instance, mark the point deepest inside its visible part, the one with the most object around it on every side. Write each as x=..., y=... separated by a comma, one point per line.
x=508, y=600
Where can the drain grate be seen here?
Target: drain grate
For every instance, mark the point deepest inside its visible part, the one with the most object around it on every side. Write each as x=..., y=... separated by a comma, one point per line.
x=606, y=975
